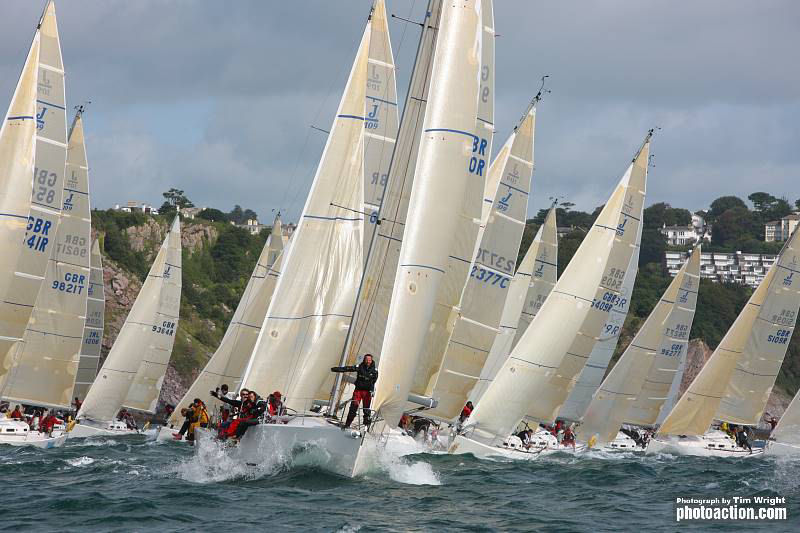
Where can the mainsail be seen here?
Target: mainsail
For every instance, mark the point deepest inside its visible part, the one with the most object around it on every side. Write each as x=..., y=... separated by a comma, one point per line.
x=735, y=383
x=542, y=369
x=530, y=287
x=448, y=192
x=227, y=364
x=307, y=321
x=42, y=206
x=93, y=330
x=595, y=368
x=45, y=362
x=144, y=343
x=638, y=384
x=476, y=325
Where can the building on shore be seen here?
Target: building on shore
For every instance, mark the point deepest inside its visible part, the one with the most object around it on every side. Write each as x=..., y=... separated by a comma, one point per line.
x=135, y=207
x=737, y=267
x=780, y=230
x=684, y=235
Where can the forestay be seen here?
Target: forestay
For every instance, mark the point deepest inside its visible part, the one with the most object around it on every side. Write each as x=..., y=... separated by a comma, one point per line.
x=227, y=364
x=476, y=325
x=147, y=335
x=46, y=360
x=93, y=330
x=543, y=367
x=43, y=204
x=592, y=374
x=447, y=194
x=307, y=321
x=530, y=287
x=645, y=372
x=735, y=383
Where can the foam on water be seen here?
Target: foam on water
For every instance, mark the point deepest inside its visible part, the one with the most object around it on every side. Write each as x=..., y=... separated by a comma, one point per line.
x=80, y=461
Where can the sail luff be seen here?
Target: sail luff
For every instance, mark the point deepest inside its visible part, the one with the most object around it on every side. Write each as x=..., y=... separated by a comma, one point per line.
x=445, y=191
x=309, y=315
x=228, y=363
x=660, y=341
x=544, y=365
x=484, y=127
x=92, y=343
x=755, y=344
x=788, y=429
x=142, y=334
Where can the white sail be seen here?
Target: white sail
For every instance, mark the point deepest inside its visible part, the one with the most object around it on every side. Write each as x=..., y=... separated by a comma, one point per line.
x=448, y=191
x=381, y=119
x=788, y=429
x=228, y=363
x=93, y=330
x=45, y=362
x=307, y=321
x=542, y=369
x=592, y=374
x=484, y=128
x=145, y=340
x=530, y=287
x=372, y=311
x=146, y=385
x=674, y=391
x=735, y=383
x=476, y=325
x=48, y=184
x=637, y=386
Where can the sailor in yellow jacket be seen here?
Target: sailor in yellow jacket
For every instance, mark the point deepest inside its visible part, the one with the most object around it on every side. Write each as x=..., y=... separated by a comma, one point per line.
x=199, y=418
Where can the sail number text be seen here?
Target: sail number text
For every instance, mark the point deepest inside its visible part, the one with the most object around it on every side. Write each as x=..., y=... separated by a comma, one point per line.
x=781, y=336
x=487, y=276
x=73, y=245
x=608, y=301
x=43, y=191
x=36, y=233
x=478, y=160
x=72, y=284
x=166, y=328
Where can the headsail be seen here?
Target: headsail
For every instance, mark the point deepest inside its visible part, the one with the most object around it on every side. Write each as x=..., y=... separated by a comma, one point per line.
x=147, y=335
x=93, y=330
x=48, y=182
x=595, y=368
x=448, y=189
x=227, y=364
x=477, y=322
x=45, y=362
x=735, y=383
x=788, y=429
x=644, y=373
x=307, y=321
x=543, y=367
x=530, y=287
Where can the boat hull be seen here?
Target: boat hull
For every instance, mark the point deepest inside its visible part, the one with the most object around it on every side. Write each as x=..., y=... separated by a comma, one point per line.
x=712, y=444
x=622, y=442
x=82, y=430
x=16, y=433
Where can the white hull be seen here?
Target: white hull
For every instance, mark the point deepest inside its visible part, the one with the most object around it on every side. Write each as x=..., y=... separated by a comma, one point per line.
x=622, y=442
x=712, y=444
x=781, y=449
x=112, y=429
x=16, y=433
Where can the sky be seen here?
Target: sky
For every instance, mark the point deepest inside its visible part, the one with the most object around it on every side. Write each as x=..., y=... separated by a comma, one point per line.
x=217, y=98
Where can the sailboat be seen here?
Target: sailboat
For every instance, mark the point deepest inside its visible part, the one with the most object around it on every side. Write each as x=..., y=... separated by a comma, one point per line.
x=535, y=278
x=45, y=361
x=477, y=320
x=542, y=369
x=735, y=383
x=785, y=438
x=33, y=145
x=133, y=372
x=444, y=188
x=228, y=363
x=635, y=390
x=93, y=330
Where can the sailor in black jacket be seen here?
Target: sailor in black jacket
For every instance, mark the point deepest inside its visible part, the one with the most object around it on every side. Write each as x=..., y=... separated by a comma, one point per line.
x=366, y=376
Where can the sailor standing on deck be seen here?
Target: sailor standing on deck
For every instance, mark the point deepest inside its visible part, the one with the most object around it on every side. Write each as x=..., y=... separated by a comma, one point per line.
x=367, y=375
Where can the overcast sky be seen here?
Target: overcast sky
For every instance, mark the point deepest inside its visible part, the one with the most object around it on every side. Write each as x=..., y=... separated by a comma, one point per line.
x=216, y=98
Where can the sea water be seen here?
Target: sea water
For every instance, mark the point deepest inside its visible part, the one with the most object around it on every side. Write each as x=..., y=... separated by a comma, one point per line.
x=134, y=483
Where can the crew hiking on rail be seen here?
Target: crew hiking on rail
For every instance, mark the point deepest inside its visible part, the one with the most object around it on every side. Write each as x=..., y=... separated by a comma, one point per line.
x=366, y=376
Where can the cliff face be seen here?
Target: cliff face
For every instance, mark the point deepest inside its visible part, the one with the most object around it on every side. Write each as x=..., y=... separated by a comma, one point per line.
x=148, y=237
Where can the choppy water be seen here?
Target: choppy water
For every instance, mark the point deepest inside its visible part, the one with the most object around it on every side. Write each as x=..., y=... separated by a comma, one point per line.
x=132, y=483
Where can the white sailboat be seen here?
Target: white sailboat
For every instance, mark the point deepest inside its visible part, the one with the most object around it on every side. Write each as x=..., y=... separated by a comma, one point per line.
x=28, y=247
x=228, y=363
x=785, y=438
x=134, y=370
x=476, y=323
x=535, y=278
x=735, y=383
x=638, y=385
x=542, y=369
x=93, y=330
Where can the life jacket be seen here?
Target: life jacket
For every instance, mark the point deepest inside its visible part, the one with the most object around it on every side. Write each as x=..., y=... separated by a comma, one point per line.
x=202, y=415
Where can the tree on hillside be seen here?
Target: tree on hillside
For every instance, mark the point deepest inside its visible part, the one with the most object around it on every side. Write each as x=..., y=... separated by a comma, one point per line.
x=661, y=214
x=214, y=215
x=174, y=199
x=736, y=224
x=761, y=201
x=769, y=207
x=722, y=204
x=797, y=203
x=241, y=216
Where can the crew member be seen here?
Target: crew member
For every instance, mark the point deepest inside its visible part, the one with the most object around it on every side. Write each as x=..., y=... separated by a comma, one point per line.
x=366, y=376
x=199, y=418
x=465, y=412
x=16, y=414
